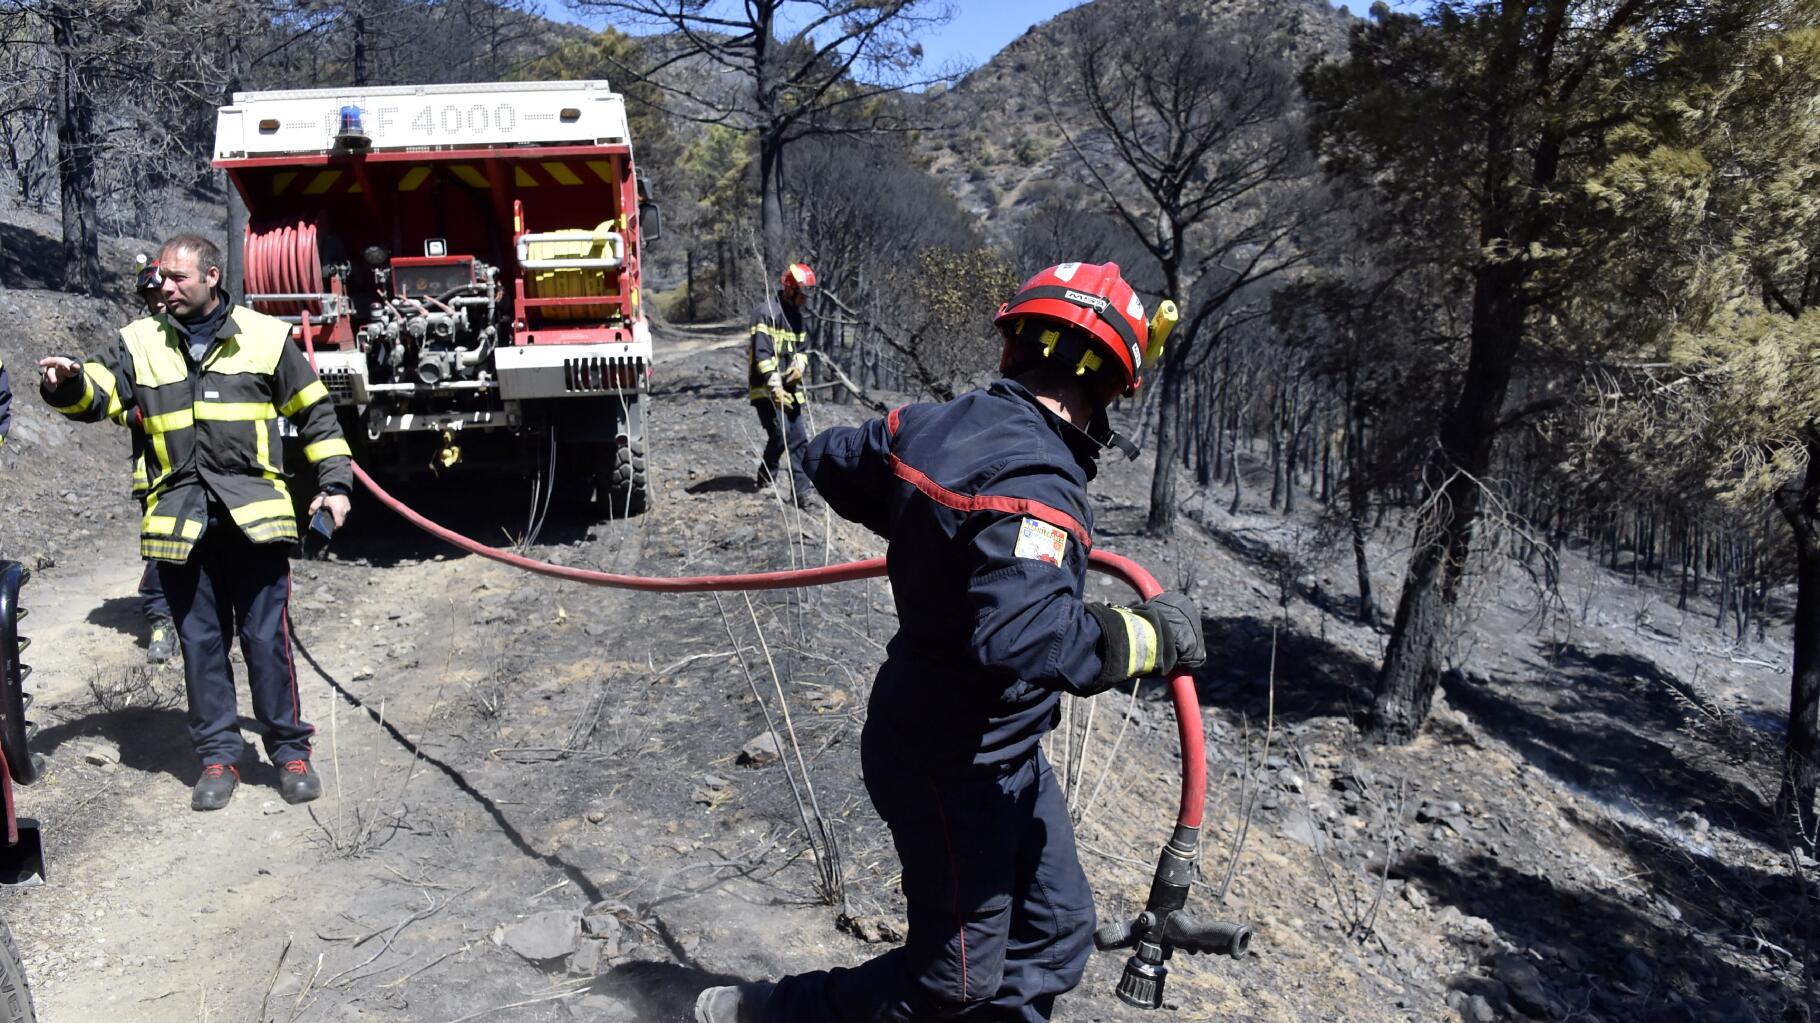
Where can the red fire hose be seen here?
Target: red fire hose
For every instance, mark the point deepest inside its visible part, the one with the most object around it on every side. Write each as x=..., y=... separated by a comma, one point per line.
x=1162, y=928
x=1181, y=687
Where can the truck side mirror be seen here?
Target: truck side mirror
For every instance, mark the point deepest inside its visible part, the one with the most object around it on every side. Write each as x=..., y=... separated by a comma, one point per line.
x=650, y=221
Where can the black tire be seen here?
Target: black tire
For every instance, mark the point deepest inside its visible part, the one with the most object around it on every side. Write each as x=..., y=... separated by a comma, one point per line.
x=622, y=488
x=14, y=735
x=15, y=992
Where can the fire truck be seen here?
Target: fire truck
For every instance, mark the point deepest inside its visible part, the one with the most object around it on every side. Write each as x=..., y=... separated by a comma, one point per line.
x=463, y=260
x=22, y=851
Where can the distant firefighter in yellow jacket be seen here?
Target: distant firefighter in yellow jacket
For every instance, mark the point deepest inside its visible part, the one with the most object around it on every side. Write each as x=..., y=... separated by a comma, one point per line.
x=775, y=366
x=206, y=381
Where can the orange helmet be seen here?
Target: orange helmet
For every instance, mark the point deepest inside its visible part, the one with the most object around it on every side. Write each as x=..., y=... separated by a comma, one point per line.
x=797, y=275
x=1094, y=299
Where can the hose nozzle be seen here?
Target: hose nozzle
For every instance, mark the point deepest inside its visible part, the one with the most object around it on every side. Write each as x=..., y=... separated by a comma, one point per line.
x=1142, y=983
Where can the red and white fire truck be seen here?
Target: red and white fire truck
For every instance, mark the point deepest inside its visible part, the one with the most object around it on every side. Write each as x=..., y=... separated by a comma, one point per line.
x=464, y=260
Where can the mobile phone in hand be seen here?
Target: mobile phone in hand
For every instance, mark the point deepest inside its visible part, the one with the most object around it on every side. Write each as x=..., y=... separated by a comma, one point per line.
x=322, y=526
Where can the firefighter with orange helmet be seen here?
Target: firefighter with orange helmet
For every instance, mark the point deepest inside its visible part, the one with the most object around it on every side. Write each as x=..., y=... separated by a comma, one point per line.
x=775, y=365
x=983, y=504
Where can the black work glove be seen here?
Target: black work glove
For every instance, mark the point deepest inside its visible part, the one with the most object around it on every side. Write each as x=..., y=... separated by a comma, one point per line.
x=1153, y=638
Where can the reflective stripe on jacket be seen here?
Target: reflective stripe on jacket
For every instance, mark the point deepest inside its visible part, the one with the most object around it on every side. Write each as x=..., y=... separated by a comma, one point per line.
x=212, y=428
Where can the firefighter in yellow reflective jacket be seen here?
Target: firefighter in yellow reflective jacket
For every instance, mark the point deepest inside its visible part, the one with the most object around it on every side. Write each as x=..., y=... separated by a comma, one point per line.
x=774, y=377
x=207, y=381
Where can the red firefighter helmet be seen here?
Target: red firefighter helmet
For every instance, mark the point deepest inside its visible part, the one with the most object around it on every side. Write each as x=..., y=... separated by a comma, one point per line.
x=797, y=275
x=1094, y=299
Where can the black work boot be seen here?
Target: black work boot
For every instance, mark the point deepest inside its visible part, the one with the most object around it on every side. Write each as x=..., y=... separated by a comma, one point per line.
x=164, y=641
x=299, y=782
x=743, y=1003
x=216, y=786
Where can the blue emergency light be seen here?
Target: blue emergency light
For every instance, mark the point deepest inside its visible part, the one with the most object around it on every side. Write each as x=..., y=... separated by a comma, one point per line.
x=353, y=135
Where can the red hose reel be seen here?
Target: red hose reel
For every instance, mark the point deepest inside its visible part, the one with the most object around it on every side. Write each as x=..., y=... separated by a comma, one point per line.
x=283, y=259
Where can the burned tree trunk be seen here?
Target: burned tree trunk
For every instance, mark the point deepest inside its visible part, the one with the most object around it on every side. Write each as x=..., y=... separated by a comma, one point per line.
x=1801, y=758
x=1444, y=527
x=77, y=141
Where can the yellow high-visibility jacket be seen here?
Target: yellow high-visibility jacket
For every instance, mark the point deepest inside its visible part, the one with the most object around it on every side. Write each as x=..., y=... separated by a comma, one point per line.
x=213, y=427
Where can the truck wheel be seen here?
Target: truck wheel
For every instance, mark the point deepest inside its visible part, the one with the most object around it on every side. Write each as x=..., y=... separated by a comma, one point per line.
x=622, y=489
x=15, y=994
x=15, y=734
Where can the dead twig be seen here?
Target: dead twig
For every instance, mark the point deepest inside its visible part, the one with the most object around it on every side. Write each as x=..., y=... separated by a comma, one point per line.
x=1251, y=805
x=391, y=934
x=399, y=982
x=557, y=997
x=265, y=1002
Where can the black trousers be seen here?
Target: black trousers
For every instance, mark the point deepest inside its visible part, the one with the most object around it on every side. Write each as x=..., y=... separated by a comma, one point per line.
x=1000, y=912
x=784, y=428
x=152, y=601
x=232, y=586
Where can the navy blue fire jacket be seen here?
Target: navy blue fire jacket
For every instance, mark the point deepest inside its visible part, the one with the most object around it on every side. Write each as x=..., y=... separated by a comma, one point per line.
x=983, y=500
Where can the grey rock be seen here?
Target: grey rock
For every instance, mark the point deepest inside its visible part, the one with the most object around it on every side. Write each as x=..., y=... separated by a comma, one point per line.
x=1731, y=1009
x=585, y=960
x=102, y=753
x=543, y=937
x=1475, y=1009
x=1290, y=780
x=759, y=751
x=1301, y=829
x=1414, y=896
x=1524, y=982
x=1433, y=811
x=1636, y=968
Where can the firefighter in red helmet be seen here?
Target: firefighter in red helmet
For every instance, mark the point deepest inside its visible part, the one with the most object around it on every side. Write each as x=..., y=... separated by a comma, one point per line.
x=983, y=504
x=775, y=365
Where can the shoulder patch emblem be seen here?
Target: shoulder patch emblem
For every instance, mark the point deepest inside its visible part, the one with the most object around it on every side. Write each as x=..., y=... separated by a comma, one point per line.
x=1040, y=541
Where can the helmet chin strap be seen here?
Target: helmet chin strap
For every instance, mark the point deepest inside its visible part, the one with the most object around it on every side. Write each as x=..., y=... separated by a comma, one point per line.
x=1099, y=430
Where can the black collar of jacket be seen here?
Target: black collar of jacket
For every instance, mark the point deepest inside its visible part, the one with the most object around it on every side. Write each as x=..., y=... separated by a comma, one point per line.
x=1085, y=449
x=222, y=319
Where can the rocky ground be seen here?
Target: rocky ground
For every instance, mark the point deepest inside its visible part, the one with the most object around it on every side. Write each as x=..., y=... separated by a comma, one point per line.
x=551, y=802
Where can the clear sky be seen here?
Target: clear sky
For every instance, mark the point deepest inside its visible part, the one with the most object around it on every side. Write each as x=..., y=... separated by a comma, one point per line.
x=981, y=28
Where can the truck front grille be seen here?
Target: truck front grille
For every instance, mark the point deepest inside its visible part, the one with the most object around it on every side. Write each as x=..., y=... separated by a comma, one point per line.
x=594, y=374
x=340, y=382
